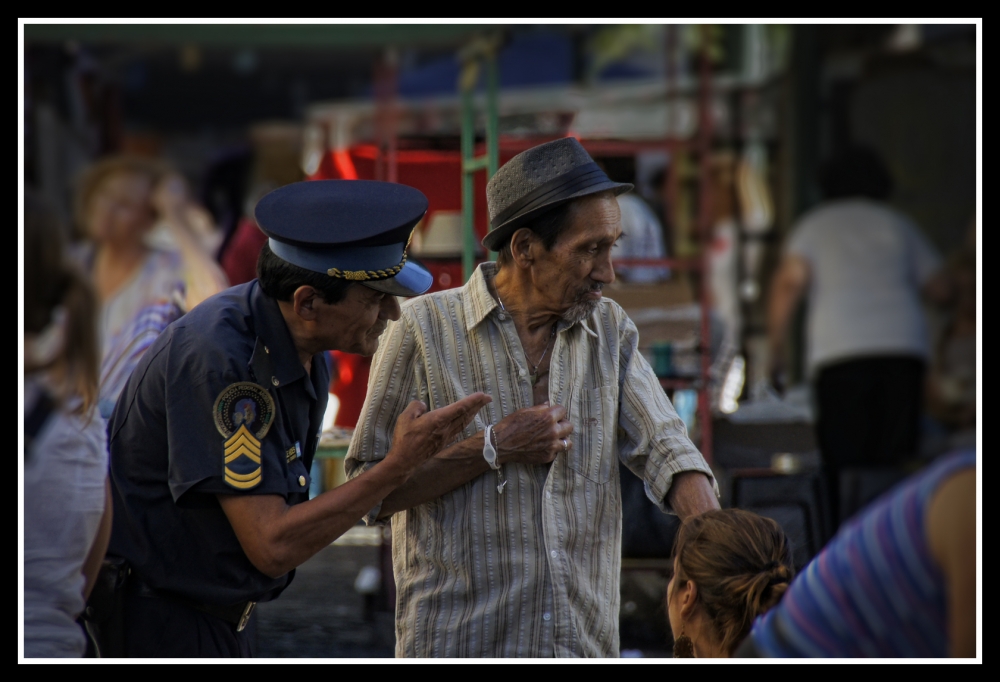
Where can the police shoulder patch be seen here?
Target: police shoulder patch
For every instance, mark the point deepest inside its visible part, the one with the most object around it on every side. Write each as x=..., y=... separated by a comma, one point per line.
x=243, y=413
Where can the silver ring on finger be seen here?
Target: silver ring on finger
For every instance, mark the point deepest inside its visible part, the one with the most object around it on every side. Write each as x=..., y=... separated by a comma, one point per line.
x=565, y=445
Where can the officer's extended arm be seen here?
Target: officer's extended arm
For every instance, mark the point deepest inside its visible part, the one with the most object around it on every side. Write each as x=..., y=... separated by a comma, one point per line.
x=277, y=537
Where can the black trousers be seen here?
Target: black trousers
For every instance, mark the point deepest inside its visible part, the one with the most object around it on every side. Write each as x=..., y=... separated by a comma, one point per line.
x=868, y=415
x=162, y=628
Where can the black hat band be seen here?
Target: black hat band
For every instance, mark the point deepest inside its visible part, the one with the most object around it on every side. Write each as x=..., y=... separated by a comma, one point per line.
x=566, y=184
x=385, y=260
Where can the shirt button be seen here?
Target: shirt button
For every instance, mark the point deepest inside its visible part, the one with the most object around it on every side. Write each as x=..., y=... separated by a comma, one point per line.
x=546, y=616
x=274, y=380
x=554, y=554
x=522, y=373
x=302, y=480
x=267, y=350
x=548, y=494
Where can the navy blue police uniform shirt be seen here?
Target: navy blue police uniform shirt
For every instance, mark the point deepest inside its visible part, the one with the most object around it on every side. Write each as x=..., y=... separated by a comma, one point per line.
x=219, y=404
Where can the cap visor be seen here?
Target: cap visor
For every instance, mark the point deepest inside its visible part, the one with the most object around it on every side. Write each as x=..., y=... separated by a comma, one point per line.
x=412, y=280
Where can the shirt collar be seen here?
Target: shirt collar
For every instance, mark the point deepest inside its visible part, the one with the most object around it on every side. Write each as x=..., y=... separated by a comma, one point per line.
x=479, y=302
x=269, y=325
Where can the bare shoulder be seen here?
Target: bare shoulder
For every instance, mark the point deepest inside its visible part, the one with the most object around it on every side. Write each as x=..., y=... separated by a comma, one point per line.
x=951, y=534
x=951, y=520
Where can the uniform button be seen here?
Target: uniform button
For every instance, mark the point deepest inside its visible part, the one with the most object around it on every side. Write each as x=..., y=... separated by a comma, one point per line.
x=546, y=616
x=554, y=554
x=274, y=380
x=302, y=480
x=267, y=350
x=502, y=317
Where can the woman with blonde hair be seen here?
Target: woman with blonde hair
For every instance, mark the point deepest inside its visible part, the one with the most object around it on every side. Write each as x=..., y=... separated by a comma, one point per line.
x=141, y=285
x=730, y=566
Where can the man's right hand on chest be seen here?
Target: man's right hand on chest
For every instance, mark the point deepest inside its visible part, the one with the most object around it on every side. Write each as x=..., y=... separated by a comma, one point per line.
x=533, y=435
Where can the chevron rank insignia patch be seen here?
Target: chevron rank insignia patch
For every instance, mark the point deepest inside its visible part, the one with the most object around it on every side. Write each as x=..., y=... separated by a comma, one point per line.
x=243, y=413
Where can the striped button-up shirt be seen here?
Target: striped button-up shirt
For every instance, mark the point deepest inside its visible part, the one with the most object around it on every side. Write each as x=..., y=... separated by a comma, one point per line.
x=533, y=571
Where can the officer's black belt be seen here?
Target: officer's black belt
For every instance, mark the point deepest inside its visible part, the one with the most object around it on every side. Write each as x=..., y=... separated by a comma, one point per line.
x=237, y=615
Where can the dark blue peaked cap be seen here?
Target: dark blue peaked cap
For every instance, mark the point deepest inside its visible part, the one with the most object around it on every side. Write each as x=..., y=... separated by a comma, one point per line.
x=357, y=230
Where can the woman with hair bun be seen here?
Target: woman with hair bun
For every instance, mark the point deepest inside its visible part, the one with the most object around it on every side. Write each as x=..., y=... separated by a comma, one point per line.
x=730, y=566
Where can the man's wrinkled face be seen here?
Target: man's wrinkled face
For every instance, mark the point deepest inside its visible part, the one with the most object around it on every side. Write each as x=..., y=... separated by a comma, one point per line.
x=355, y=324
x=572, y=273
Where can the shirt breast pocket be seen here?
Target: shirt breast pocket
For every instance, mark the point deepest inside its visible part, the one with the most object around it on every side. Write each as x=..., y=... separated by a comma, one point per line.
x=594, y=413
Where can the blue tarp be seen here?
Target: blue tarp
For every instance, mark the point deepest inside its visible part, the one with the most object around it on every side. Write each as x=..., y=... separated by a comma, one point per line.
x=536, y=58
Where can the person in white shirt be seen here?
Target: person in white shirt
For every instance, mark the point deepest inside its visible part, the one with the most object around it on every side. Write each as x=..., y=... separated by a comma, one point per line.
x=862, y=266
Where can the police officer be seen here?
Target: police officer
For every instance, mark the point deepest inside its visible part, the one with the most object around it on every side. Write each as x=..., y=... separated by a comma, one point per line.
x=213, y=437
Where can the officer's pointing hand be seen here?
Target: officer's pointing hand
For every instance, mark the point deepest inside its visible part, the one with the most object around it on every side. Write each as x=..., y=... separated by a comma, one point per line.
x=419, y=434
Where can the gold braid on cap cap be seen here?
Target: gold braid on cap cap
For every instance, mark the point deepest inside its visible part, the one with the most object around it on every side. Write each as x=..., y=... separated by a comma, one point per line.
x=362, y=275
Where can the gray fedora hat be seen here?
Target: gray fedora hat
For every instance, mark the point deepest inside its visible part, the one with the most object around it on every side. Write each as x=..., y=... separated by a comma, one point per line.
x=538, y=180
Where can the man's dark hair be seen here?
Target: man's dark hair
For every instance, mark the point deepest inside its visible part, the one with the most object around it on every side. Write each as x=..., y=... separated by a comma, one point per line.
x=855, y=171
x=279, y=279
x=548, y=226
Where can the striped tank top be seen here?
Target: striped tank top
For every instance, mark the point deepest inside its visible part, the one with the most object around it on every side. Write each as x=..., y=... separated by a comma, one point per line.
x=874, y=591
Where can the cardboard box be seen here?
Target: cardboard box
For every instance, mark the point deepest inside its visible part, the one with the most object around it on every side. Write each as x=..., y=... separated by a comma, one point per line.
x=674, y=292
x=666, y=311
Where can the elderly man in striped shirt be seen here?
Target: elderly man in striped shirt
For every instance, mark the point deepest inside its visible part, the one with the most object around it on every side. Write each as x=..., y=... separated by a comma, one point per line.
x=508, y=542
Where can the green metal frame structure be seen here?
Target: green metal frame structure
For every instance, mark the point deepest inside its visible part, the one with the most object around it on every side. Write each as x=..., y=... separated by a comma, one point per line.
x=473, y=56
x=334, y=35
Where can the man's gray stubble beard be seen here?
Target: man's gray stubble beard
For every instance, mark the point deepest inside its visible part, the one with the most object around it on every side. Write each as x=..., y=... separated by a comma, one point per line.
x=580, y=310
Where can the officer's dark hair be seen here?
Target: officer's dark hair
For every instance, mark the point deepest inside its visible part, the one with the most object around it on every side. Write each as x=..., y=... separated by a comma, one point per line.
x=279, y=279
x=855, y=171
x=548, y=226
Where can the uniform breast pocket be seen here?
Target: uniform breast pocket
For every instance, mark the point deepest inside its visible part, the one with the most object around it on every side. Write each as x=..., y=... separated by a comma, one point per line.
x=296, y=474
x=594, y=414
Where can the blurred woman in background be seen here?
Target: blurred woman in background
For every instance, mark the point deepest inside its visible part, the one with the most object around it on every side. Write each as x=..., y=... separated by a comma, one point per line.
x=730, y=566
x=142, y=287
x=67, y=503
